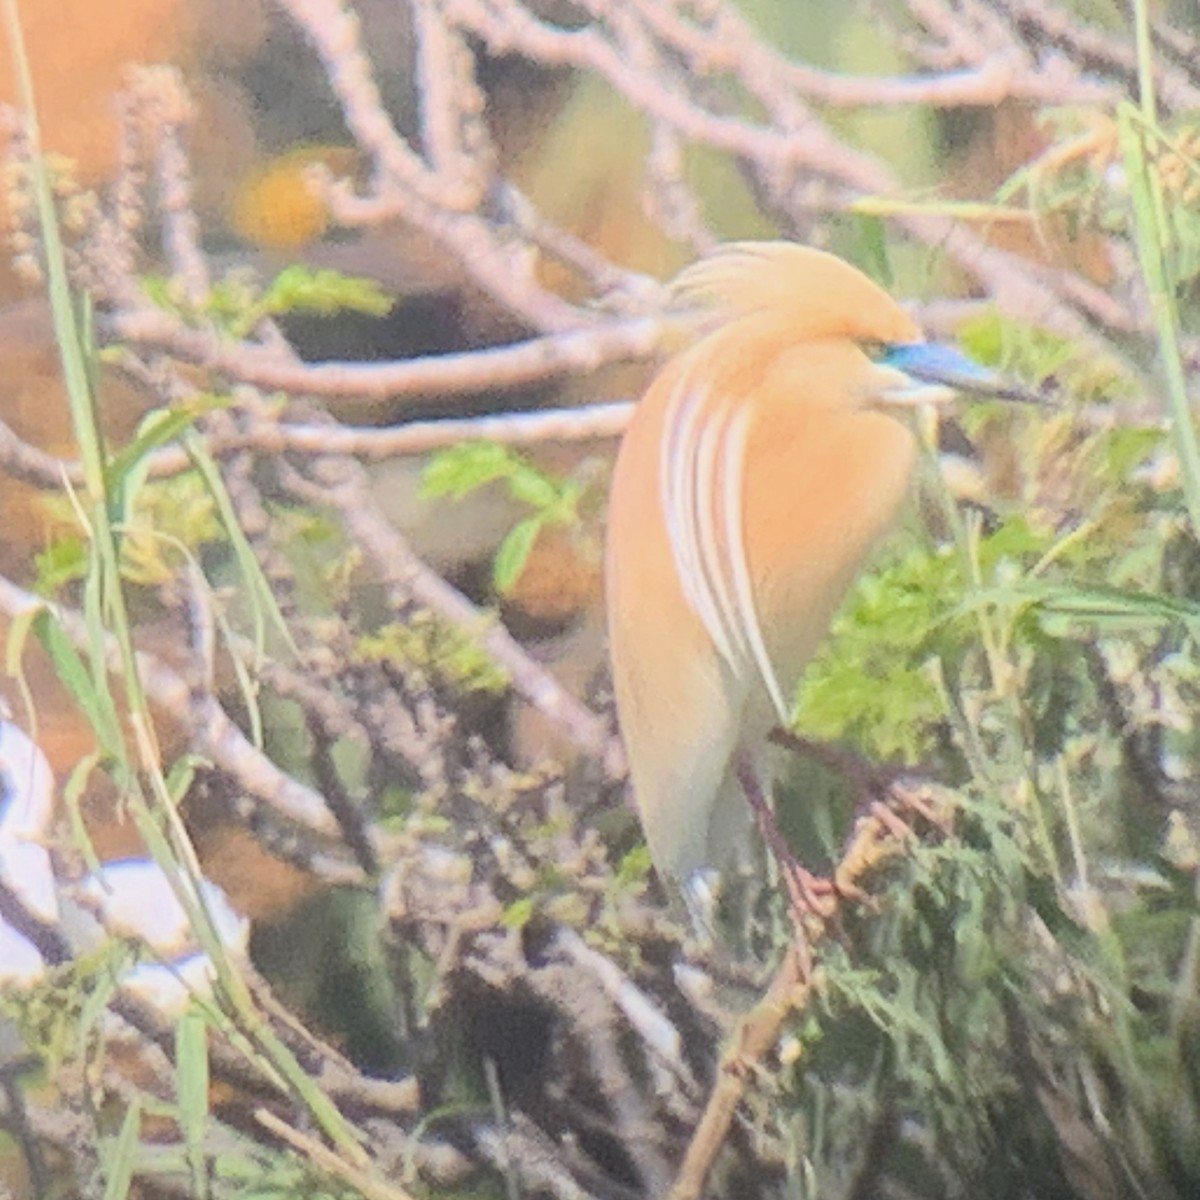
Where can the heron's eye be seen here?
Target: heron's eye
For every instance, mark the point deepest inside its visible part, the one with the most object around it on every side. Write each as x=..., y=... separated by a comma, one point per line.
x=874, y=350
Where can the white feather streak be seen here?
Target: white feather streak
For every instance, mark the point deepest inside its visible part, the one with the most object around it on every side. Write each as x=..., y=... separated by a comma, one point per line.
x=681, y=501
x=702, y=469
x=730, y=501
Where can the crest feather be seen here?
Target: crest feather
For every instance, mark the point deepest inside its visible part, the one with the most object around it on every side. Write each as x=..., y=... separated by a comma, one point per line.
x=816, y=293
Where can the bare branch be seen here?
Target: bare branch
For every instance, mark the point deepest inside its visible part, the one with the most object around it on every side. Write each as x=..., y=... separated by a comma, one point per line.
x=567, y=354
x=342, y=486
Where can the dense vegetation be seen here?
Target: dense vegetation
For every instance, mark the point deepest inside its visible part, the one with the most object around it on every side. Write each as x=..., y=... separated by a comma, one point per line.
x=305, y=599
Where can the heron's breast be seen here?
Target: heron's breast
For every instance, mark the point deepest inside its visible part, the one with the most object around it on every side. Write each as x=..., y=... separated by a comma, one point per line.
x=821, y=490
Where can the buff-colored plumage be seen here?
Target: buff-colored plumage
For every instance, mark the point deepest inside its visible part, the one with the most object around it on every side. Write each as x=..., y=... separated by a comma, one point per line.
x=758, y=471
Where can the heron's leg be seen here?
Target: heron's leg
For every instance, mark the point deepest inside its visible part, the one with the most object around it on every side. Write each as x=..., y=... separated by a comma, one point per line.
x=887, y=799
x=807, y=893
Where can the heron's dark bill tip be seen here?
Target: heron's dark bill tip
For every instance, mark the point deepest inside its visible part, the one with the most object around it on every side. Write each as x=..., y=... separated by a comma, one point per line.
x=933, y=363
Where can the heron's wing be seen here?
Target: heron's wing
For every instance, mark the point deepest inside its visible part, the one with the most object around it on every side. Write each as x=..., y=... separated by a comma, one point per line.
x=703, y=484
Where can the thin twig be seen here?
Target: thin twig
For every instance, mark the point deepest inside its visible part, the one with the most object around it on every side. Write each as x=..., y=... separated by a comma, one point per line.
x=500, y=368
x=343, y=487
x=210, y=731
x=756, y=1034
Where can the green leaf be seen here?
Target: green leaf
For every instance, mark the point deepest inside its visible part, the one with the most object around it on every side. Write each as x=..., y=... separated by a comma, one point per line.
x=72, y=794
x=634, y=866
x=74, y=674
x=514, y=552
x=157, y=289
x=458, y=470
x=565, y=509
x=1134, y=126
x=300, y=289
x=179, y=778
x=157, y=428
x=119, y=1160
x=235, y=303
x=191, y=1094
x=530, y=486
x=1109, y=609
x=427, y=643
x=518, y=914
x=262, y=600
x=62, y=562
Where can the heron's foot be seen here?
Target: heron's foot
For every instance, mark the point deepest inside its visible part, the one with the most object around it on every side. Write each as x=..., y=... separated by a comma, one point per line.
x=809, y=894
x=885, y=828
